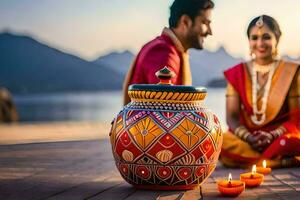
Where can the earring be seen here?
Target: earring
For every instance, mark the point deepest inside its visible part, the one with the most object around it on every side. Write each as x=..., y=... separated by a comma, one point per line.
x=275, y=53
x=251, y=53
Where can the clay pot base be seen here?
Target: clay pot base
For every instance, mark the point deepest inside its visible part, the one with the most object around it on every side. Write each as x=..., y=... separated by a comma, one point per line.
x=167, y=187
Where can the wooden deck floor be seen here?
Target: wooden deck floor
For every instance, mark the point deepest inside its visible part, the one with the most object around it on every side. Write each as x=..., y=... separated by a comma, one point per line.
x=85, y=170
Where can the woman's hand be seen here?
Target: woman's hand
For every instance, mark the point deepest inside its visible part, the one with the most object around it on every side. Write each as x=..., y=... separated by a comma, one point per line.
x=261, y=140
x=252, y=139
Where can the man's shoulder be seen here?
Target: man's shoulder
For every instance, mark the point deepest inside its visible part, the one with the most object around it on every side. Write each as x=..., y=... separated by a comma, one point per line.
x=160, y=43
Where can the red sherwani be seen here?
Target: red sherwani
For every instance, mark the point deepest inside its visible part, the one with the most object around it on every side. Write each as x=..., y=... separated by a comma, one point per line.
x=165, y=50
x=154, y=56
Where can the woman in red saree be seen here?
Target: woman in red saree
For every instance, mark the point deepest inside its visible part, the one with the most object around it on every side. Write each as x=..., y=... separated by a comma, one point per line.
x=262, y=104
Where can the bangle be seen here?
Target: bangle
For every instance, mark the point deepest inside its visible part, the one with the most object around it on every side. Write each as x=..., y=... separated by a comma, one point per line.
x=242, y=132
x=278, y=131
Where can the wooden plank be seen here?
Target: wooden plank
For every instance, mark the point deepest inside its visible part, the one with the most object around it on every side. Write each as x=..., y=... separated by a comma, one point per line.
x=68, y=168
x=170, y=195
x=289, y=179
x=144, y=195
x=193, y=194
x=288, y=187
x=89, y=189
x=295, y=172
x=46, y=187
x=86, y=170
x=120, y=191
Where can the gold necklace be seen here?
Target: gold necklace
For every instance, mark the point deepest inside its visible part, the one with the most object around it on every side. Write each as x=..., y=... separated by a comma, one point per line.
x=267, y=87
x=263, y=68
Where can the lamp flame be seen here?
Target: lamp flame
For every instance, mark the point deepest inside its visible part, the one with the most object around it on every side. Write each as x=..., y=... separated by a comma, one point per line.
x=229, y=177
x=264, y=163
x=253, y=169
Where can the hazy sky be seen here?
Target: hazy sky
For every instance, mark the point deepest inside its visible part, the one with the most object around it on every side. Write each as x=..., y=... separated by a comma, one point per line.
x=89, y=28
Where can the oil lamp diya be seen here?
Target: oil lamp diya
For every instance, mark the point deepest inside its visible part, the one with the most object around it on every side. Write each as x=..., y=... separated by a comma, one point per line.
x=231, y=188
x=252, y=179
x=264, y=169
x=164, y=138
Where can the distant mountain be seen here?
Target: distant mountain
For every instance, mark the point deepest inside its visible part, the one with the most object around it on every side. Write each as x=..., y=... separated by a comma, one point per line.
x=28, y=66
x=117, y=61
x=288, y=58
x=207, y=66
x=217, y=83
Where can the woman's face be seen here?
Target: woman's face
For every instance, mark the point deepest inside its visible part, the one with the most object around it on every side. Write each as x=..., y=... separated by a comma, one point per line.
x=262, y=42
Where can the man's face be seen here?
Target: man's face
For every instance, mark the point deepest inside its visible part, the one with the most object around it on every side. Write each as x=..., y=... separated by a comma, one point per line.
x=199, y=29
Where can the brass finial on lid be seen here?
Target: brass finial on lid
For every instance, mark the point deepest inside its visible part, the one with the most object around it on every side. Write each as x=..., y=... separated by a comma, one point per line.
x=165, y=75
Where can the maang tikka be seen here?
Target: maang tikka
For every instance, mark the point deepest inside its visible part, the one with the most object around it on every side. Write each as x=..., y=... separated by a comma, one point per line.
x=260, y=23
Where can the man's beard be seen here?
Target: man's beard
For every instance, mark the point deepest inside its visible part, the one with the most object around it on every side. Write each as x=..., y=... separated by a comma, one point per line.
x=195, y=41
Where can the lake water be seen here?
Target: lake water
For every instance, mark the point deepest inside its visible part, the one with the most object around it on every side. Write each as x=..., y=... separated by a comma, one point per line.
x=93, y=106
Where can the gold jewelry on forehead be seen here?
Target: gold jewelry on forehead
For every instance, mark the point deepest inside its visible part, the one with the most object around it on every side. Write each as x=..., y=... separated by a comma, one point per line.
x=260, y=22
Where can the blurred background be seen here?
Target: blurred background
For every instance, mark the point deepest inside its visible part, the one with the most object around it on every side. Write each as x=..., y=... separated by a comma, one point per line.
x=65, y=60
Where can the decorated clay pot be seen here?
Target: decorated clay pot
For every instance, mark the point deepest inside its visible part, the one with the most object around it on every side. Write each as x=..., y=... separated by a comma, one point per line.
x=164, y=138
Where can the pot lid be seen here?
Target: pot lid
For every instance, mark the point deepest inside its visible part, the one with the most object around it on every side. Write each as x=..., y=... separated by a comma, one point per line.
x=165, y=90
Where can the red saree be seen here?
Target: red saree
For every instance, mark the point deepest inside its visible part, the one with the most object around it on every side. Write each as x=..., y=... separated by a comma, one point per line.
x=277, y=114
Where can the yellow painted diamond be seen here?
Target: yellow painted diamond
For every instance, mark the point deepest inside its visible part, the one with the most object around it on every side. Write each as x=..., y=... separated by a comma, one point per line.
x=145, y=131
x=189, y=133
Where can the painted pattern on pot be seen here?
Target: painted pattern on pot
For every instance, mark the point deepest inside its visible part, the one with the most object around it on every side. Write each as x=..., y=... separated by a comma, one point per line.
x=165, y=138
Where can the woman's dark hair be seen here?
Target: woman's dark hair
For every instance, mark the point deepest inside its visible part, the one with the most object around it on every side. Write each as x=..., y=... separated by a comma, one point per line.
x=270, y=22
x=190, y=8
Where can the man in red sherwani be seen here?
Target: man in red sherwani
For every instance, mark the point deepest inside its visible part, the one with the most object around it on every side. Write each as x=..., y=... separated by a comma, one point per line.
x=189, y=24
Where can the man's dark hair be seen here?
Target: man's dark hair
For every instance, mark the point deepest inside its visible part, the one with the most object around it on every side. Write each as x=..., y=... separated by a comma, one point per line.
x=191, y=8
